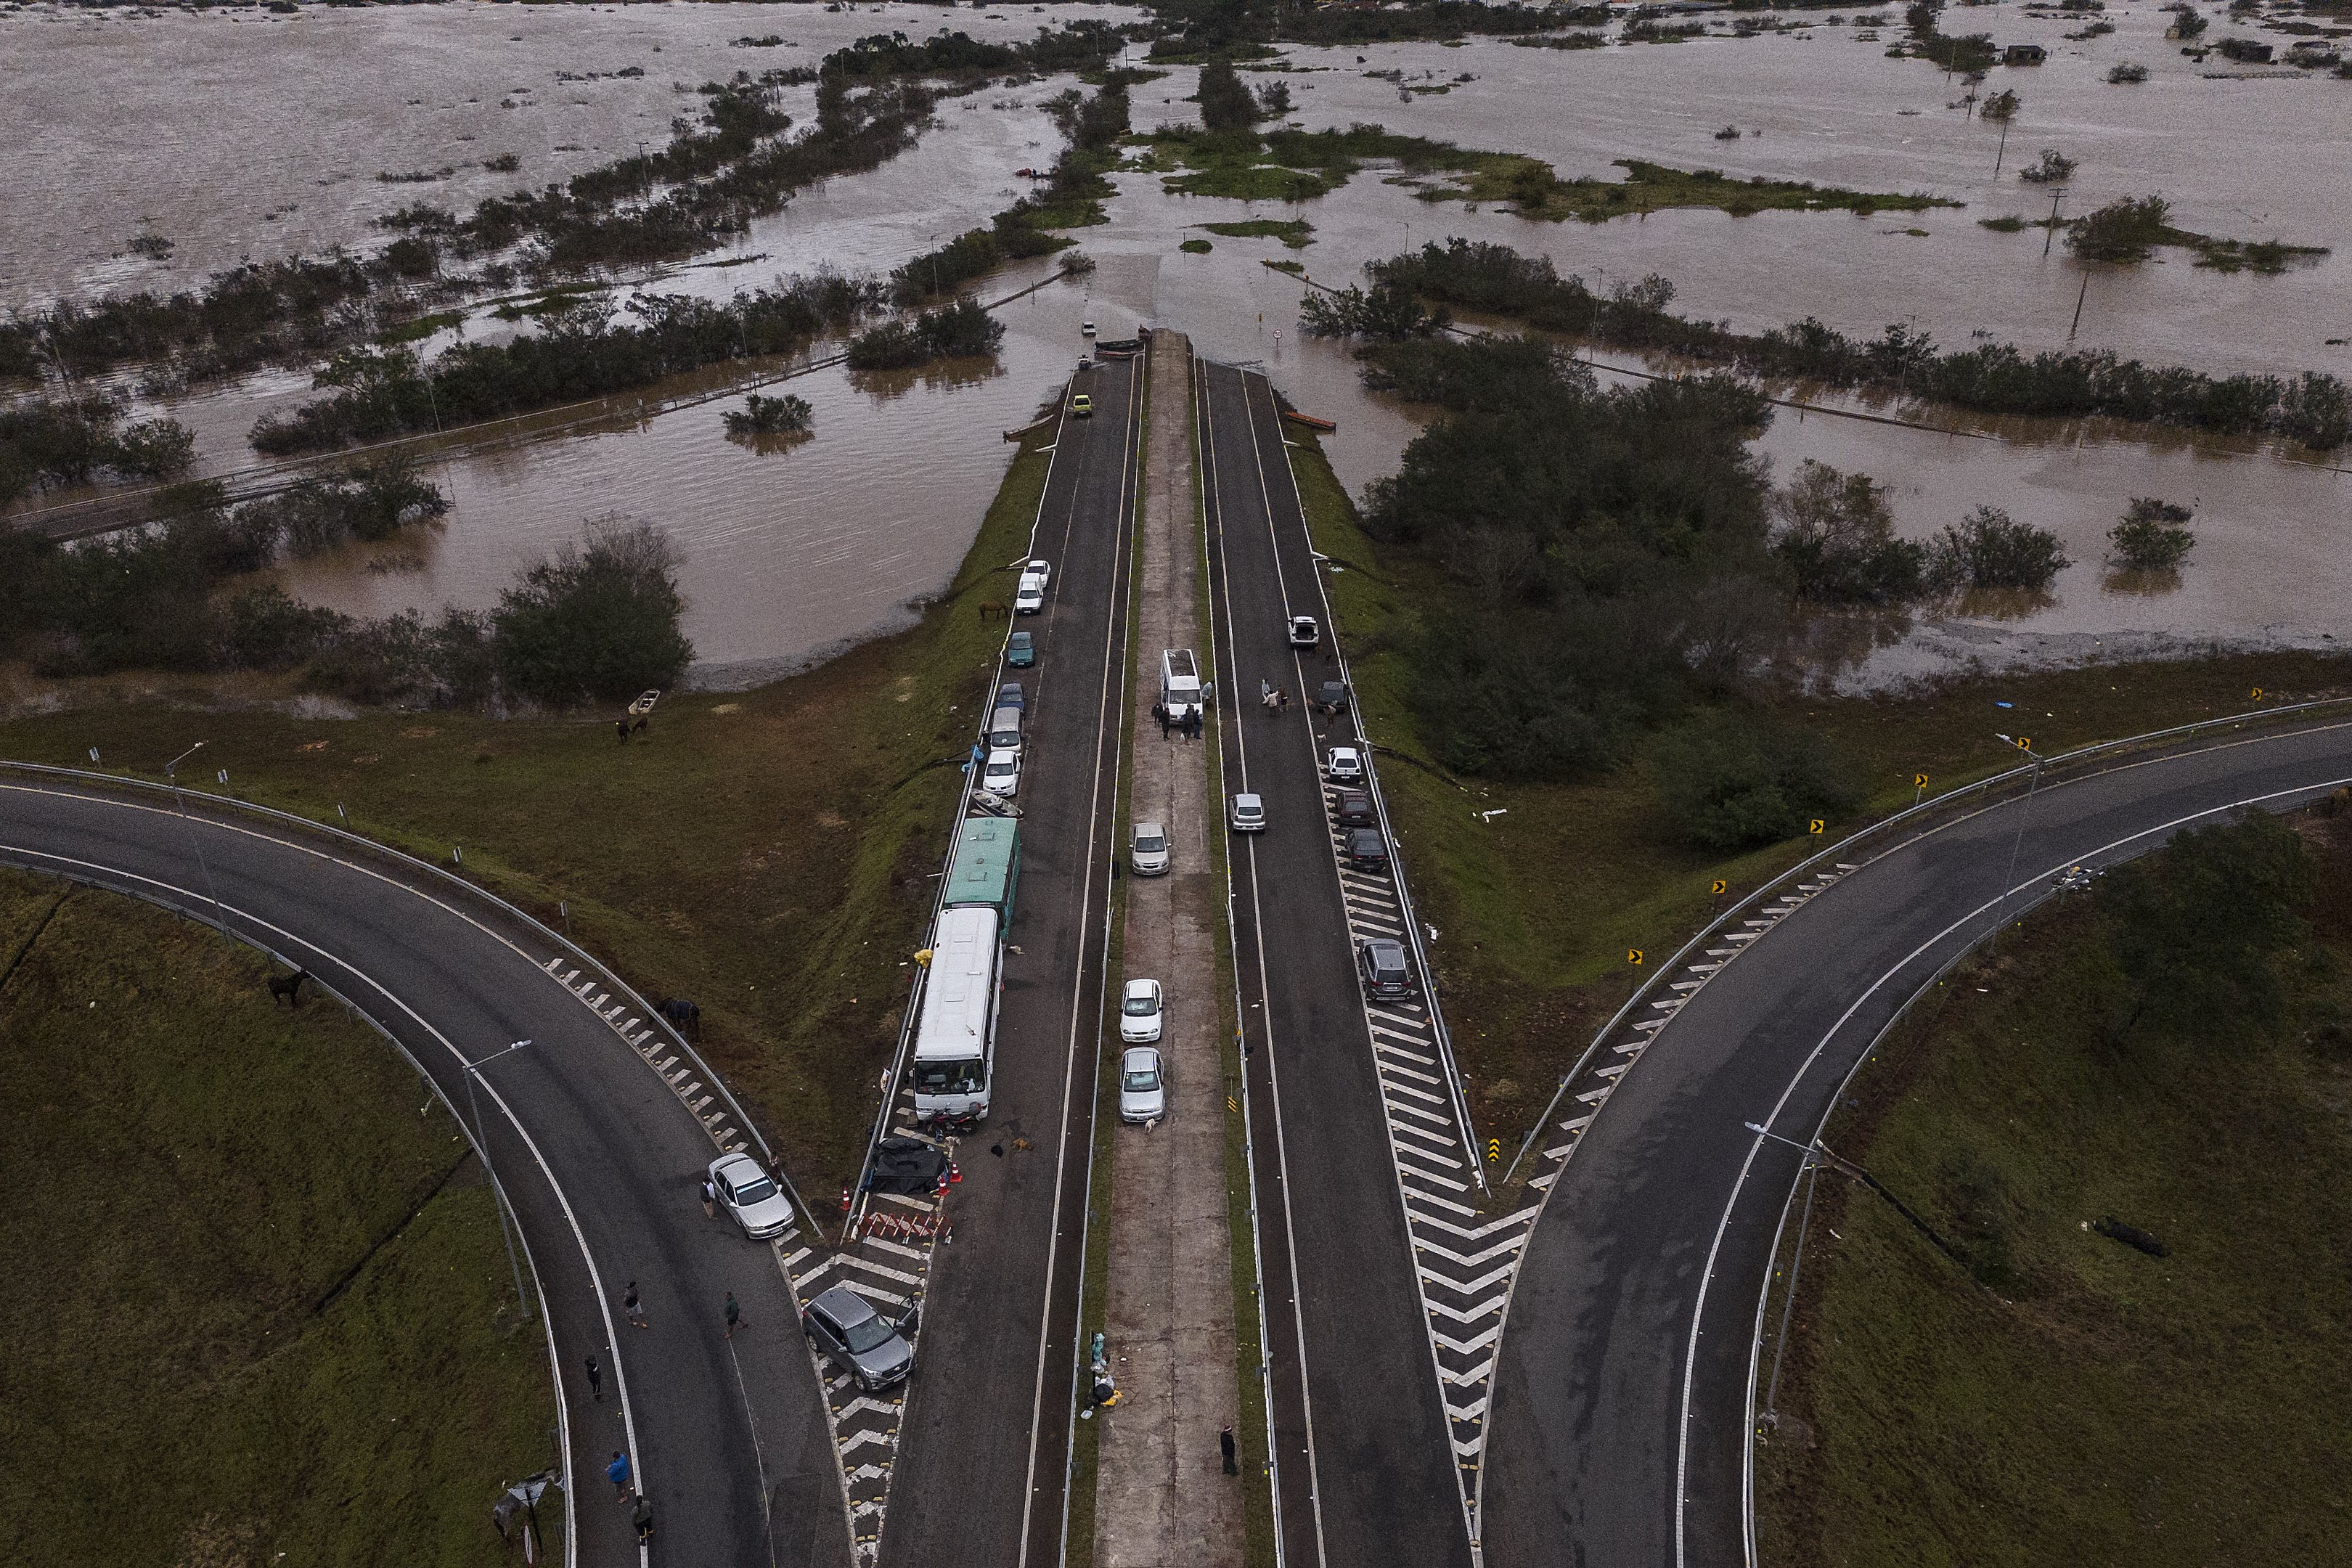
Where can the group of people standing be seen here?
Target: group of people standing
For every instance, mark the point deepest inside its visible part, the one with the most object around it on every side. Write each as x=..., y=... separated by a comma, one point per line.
x=1188, y=725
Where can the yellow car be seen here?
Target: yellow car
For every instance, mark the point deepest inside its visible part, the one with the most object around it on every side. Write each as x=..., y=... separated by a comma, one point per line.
x=1082, y=407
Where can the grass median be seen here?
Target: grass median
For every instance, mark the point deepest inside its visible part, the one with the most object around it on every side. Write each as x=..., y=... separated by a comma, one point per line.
x=2068, y=1398
x=261, y=1309
x=1539, y=906
x=765, y=853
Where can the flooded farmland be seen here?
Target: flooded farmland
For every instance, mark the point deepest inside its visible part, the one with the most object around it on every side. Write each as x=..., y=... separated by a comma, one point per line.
x=791, y=551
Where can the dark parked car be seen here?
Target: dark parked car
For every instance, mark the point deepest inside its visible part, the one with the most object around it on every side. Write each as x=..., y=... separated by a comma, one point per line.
x=1009, y=696
x=1353, y=808
x=1367, y=850
x=1379, y=964
x=846, y=1329
x=1021, y=650
x=1333, y=694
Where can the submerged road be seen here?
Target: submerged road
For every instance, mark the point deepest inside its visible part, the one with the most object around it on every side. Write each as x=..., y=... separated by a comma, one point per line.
x=597, y=1152
x=1621, y=1407
x=984, y=1440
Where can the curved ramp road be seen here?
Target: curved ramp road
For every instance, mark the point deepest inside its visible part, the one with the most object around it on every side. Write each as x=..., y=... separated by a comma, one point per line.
x=1620, y=1406
x=597, y=1152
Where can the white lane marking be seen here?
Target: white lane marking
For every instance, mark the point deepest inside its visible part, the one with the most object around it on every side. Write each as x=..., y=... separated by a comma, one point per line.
x=1707, y=1276
x=595, y=1277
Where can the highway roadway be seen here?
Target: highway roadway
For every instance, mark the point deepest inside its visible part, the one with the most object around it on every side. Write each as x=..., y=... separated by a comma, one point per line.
x=598, y=1154
x=1621, y=1408
x=1361, y=1433
x=984, y=1439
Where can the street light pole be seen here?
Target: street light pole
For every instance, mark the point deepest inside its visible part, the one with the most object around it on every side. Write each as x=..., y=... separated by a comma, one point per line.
x=498, y=1192
x=2008, y=879
x=171, y=773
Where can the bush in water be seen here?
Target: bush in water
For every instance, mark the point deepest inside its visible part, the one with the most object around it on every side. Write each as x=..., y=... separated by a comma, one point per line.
x=2152, y=536
x=1989, y=549
x=1835, y=535
x=598, y=621
x=769, y=416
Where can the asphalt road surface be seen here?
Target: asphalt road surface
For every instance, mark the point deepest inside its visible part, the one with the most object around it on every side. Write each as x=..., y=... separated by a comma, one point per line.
x=1361, y=1438
x=1624, y=1379
x=598, y=1155
x=984, y=1440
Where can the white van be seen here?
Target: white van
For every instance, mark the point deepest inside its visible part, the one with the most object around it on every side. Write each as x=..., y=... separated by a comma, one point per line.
x=1029, y=598
x=1180, y=683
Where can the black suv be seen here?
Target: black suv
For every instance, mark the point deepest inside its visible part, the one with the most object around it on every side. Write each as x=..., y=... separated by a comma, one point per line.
x=1379, y=964
x=1367, y=850
x=1333, y=695
x=1353, y=808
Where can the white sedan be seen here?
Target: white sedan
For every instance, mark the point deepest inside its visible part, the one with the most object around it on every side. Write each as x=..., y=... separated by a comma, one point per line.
x=1140, y=1012
x=1142, y=1091
x=751, y=1196
x=1002, y=772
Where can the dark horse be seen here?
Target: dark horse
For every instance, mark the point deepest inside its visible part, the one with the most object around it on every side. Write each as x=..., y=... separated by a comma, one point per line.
x=289, y=986
x=683, y=1015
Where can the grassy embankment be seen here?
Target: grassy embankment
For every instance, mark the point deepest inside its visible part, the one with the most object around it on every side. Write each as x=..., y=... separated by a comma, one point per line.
x=764, y=853
x=259, y=1308
x=1299, y=166
x=2101, y=1405
x=1538, y=907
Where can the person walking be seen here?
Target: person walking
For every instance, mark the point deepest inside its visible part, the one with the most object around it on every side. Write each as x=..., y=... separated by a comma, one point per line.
x=617, y=1472
x=1159, y=711
x=1225, y=1447
x=596, y=1381
x=642, y=1516
x=734, y=1315
x=710, y=1199
x=634, y=1308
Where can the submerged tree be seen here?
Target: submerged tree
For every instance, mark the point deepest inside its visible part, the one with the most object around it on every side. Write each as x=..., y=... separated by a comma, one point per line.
x=2152, y=536
x=788, y=414
x=1989, y=549
x=1836, y=535
x=598, y=621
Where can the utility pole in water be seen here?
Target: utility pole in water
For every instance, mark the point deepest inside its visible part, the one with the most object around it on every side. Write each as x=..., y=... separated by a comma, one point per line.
x=2078, y=307
x=2055, y=197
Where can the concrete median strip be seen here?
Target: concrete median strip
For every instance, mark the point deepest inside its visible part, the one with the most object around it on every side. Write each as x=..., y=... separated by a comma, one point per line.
x=1169, y=1308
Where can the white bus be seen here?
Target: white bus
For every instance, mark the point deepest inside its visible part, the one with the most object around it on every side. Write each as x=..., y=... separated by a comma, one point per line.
x=955, y=1036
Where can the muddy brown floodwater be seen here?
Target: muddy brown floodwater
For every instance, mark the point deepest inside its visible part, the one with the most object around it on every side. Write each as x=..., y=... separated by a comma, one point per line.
x=791, y=551
x=242, y=132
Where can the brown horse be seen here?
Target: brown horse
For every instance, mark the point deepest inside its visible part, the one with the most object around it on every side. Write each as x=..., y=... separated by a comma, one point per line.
x=991, y=607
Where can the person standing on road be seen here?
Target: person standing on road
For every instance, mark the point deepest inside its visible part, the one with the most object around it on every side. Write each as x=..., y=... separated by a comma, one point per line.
x=710, y=1199
x=617, y=1472
x=642, y=1516
x=596, y=1381
x=1159, y=711
x=734, y=1315
x=635, y=1309
x=1225, y=1447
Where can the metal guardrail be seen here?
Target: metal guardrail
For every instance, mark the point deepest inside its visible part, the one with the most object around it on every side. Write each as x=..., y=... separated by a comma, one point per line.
x=412, y=865
x=858, y=1195
x=1854, y=842
x=1454, y=1091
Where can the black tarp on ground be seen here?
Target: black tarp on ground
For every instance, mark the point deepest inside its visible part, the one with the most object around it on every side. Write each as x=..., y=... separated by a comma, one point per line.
x=906, y=1166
